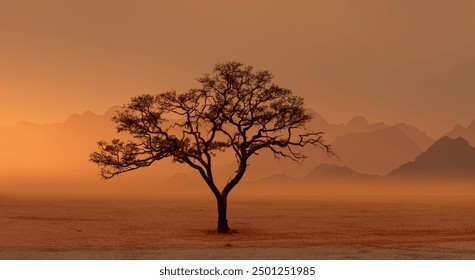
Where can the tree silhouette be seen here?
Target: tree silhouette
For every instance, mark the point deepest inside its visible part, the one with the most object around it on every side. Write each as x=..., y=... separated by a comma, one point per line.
x=236, y=108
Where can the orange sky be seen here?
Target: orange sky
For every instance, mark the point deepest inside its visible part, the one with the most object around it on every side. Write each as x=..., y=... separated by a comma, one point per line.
x=411, y=61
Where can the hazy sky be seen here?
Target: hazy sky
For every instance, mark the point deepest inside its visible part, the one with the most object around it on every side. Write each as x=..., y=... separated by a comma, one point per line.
x=410, y=61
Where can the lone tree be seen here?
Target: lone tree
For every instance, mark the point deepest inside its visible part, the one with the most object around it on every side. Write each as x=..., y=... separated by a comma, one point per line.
x=236, y=108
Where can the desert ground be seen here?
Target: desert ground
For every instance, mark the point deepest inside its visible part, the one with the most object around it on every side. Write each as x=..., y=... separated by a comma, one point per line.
x=270, y=223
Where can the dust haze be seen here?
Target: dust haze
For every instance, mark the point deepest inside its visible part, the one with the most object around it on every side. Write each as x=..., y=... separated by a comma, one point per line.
x=54, y=206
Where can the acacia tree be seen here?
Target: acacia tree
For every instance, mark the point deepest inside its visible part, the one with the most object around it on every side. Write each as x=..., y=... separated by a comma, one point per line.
x=236, y=108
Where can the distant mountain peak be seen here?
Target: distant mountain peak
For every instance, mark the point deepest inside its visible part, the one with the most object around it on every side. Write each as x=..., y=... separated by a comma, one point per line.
x=448, y=142
x=110, y=112
x=419, y=137
x=87, y=115
x=318, y=118
x=277, y=178
x=446, y=157
x=333, y=171
x=458, y=127
x=468, y=133
x=358, y=122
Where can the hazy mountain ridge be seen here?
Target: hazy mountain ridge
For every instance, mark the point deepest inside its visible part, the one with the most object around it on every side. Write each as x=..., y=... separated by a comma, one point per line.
x=447, y=158
x=336, y=172
x=468, y=133
x=357, y=129
x=375, y=152
x=419, y=137
x=363, y=147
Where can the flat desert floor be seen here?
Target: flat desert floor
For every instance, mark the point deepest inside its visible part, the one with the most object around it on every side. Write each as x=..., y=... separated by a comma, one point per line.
x=267, y=226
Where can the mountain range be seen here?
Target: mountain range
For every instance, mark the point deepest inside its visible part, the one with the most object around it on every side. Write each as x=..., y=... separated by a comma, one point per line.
x=447, y=159
x=49, y=152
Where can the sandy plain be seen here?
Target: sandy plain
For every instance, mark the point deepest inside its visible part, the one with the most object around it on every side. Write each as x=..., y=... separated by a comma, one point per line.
x=351, y=223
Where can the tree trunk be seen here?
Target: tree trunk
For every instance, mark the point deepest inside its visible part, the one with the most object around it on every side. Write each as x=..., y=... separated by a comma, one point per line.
x=222, y=215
